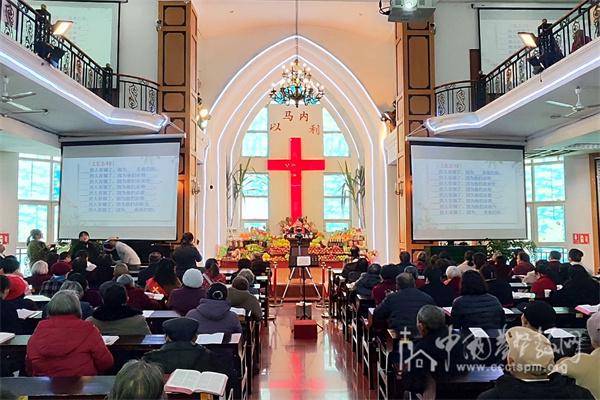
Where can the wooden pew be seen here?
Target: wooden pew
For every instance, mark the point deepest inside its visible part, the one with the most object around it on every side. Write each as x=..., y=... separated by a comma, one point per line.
x=85, y=387
x=135, y=346
x=359, y=309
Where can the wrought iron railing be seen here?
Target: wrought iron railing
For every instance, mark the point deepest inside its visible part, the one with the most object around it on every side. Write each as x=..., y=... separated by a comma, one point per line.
x=25, y=25
x=567, y=35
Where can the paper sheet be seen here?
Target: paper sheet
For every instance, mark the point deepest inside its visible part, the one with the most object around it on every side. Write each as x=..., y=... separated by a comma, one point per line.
x=215, y=338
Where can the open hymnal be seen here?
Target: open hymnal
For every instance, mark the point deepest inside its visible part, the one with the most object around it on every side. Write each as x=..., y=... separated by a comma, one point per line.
x=238, y=311
x=478, y=333
x=189, y=381
x=147, y=313
x=38, y=298
x=155, y=296
x=215, y=338
x=24, y=313
x=6, y=336
x=587, y=309
x=558, y=333
x=523, y=295
x=109, y=340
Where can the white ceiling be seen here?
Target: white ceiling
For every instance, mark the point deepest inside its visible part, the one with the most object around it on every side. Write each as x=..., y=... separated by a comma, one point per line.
x=220, y=17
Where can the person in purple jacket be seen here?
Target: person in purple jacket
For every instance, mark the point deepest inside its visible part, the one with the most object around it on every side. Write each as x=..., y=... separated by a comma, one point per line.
x=214, y=313
x=187, y=297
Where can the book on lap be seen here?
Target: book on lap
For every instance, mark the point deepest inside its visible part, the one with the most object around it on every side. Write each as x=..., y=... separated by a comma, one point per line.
x=6, y=336
x=189, y=381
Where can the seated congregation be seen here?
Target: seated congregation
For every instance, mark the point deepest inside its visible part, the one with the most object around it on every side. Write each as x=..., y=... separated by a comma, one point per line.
x=93, y=294
x=448, y=321
x=445, y=319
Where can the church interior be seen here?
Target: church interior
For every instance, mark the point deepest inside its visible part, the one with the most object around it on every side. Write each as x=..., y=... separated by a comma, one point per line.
x=299, y=199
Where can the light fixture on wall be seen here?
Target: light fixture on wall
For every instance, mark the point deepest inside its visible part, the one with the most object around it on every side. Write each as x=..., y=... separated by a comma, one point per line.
x=61, y=27
x=528, y=39
x=202, y=114
x=296, y=85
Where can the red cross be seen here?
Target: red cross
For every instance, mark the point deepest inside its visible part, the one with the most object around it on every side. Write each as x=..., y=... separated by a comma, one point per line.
x=296, y=165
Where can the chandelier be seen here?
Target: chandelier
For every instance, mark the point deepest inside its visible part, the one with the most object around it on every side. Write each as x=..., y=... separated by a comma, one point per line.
x=296, y=85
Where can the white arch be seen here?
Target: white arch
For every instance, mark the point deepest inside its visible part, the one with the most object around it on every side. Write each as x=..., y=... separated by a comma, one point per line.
x=345, y=94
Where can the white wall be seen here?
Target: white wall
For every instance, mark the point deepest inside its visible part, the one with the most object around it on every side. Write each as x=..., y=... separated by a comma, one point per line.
x=455, y=33
x=578, y=206
x=138, y=51
x=372, y=60
x=9, y=209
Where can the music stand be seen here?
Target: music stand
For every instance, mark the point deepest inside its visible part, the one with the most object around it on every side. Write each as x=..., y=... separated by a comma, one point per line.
x=304, y=261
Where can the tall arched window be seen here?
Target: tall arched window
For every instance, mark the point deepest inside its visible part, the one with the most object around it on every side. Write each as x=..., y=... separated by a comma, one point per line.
x=254, y=210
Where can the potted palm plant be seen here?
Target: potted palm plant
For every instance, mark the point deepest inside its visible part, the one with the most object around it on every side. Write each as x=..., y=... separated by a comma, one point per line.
x=354, y=186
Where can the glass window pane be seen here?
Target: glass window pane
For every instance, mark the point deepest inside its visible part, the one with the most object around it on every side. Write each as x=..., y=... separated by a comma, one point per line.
x=335, y=145
x=32, y=216
x=551, y=223
x=329, y=124
x=335, y=226
x=549, y=181
x=333, y=208
x=56, y=182
x=529, y=233
x=333, y=185
x=255, y=208
x=255, y=224
x=543, y=253
x=34, y=180
x=256, y=185
x=261, y=121
x=528, y=183
x=55, y=223
x=35, y=156
x=255, y=144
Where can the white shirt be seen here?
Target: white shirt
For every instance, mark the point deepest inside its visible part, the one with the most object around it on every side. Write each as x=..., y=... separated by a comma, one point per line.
x=127, y=254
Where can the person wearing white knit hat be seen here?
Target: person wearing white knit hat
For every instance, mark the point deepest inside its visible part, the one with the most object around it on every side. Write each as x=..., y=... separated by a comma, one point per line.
x=188, y=296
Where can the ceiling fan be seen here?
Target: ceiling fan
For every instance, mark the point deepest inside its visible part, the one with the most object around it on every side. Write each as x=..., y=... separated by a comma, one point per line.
x=575, y=108
x=7, y=98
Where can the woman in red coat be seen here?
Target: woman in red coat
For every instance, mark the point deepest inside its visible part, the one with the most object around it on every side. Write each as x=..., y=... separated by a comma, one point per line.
x=64, y=345
x=546, y=279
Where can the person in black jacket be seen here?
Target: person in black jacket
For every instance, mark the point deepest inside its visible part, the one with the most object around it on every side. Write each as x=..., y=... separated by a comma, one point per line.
x=181, y=351
x=435, y=335
x=9, y=319
x=400, y=308
x=496, y=286
x=475, y=307
x=581, y=288
x=148, y=272
x=367, y=281
x=102, y=273
x=529, y=363
x=186, y=256
x=84, y=243
x=441, y=294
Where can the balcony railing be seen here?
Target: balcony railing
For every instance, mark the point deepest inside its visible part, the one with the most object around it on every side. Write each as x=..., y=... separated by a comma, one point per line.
x=26, y=26
x=567, y=35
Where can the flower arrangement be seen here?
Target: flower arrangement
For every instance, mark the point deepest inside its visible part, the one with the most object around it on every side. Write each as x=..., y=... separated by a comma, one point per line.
x=287, y=225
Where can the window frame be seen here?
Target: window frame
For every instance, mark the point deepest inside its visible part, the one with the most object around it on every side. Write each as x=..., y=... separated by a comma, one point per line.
x=533, y=205
x=244, y=221
x=339, y=197
x=52, y=205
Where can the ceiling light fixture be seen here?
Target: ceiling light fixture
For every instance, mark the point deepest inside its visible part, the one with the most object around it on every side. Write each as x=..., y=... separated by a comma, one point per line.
x=296, y=85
